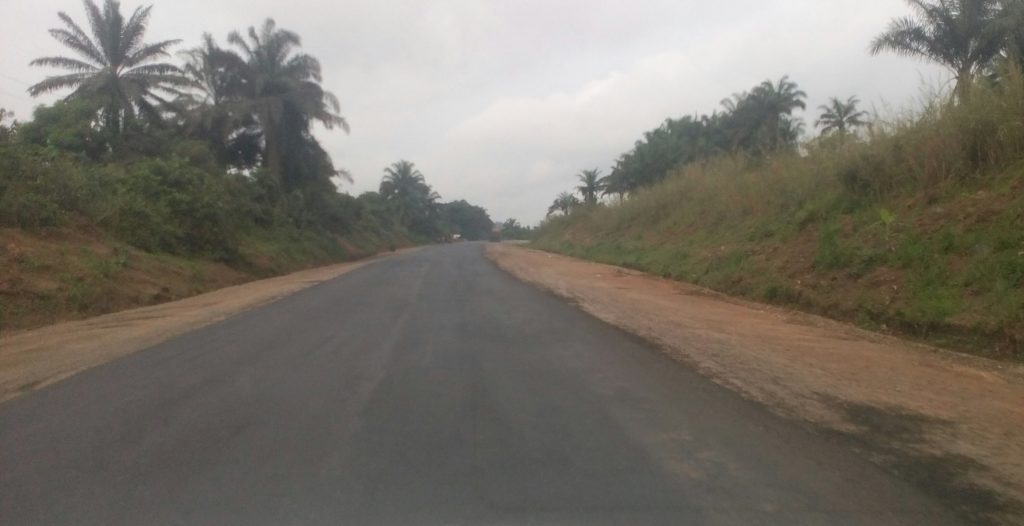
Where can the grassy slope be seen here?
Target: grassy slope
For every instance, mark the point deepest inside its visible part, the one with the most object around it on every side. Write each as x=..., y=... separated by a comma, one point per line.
x=939, y=256
x=75, y=272
x=949, y=268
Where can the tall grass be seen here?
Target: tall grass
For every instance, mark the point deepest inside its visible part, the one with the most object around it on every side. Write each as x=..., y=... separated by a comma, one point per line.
x=943, y=142
x=918, y=223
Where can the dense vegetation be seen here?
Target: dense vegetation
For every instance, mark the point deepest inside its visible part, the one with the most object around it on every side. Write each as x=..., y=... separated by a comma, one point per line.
x=208, y=157
x=511, y=229
x=913, y=222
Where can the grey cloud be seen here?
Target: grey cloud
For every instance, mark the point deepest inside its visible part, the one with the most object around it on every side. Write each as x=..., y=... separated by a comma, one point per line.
x=501, y=103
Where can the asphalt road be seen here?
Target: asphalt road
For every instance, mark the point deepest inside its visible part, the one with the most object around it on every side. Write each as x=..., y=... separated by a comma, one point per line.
x=428, y=388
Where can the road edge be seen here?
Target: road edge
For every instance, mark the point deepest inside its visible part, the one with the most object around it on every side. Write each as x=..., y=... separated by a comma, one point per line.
x=36, y=358
x=915, y=463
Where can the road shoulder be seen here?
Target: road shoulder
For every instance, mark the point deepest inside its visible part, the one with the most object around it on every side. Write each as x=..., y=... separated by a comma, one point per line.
x=33, y=359
x=948, y=422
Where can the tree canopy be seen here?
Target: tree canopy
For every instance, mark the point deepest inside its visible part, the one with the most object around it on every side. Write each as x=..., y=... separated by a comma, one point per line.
x=965, y=36
x=113, y=68
x=755, y=122
x=841, y=117
x=184, y=155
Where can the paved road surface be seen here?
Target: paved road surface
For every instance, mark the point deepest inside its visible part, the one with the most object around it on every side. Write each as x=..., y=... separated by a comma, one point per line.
x=429, y=388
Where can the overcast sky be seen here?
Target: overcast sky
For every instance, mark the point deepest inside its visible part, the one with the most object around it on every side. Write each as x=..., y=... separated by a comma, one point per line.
x=501, y=103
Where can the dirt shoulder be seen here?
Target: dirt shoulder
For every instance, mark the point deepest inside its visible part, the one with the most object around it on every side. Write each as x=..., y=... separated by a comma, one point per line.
x=36, y=358
x=953, y=424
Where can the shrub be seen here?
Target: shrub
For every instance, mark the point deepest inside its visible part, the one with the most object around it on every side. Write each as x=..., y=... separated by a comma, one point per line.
x=169, y=205
x=39, y=188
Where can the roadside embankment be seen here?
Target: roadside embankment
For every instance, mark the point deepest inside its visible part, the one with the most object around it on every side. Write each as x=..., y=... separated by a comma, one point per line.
x=52, y=275
x=949, y=422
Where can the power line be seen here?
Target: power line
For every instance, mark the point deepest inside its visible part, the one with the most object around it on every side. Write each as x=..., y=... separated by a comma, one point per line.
x=19, y=81
x=16, y=96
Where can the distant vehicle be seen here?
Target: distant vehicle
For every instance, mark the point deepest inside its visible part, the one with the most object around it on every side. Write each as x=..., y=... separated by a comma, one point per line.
x=495, y=236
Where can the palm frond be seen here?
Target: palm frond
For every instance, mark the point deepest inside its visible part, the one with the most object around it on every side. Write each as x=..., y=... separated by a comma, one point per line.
x=74, y=33
x=166, y=73
x=84, y=48
x=344, y=175
x=331, y=121
x=905, y=36
x=303, y=66
x=58, y=82
x=149, y=52
x=332, y=101
x=135, y=28
x=65, y=63
x=100, y=27
x=235, y=38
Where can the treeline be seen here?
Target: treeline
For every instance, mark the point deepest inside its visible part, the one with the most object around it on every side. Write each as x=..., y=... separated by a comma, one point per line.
x=755, y=122
x=405, y=192
x=975, y=39
x=196, y=156
x=513, y=230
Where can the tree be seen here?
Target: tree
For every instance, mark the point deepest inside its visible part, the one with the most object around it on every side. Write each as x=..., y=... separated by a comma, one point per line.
x=962, y=35
x=512, y=229
x=7, y=131
x=564, y=203
x=66, y=125
x=674, y=143
x=841, y=117
x=760, y=120
x=775, y=103
x=591, y=185
x=214, y=74
x=469, y=221
x=281, y=89
x=412, y=198
x=212, y=106
x=403, y=182
x=115, y=68
x=1011, y=17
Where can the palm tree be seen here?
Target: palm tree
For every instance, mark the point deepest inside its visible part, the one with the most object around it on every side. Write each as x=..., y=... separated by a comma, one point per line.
x=962, y=35
x=406, y=187
x=592, y=185
x=759, y=120
x=213, y=73
x=841, y=117
x=401, y=180
x=282, y=89
x=621, y=180
x=212, y=103
x=564, y=203
x=774, y=102
x=114, y=66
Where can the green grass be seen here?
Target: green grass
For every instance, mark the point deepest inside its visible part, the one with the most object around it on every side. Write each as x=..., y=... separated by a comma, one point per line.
x=918, y=228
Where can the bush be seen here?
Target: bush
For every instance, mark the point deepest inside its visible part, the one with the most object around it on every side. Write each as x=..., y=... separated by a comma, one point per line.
x=39, y=188
x=169, y=205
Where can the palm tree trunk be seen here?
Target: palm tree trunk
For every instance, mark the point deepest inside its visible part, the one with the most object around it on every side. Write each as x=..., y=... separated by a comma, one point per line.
x=776, y=125
x=964, y=78
x=272, y=154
